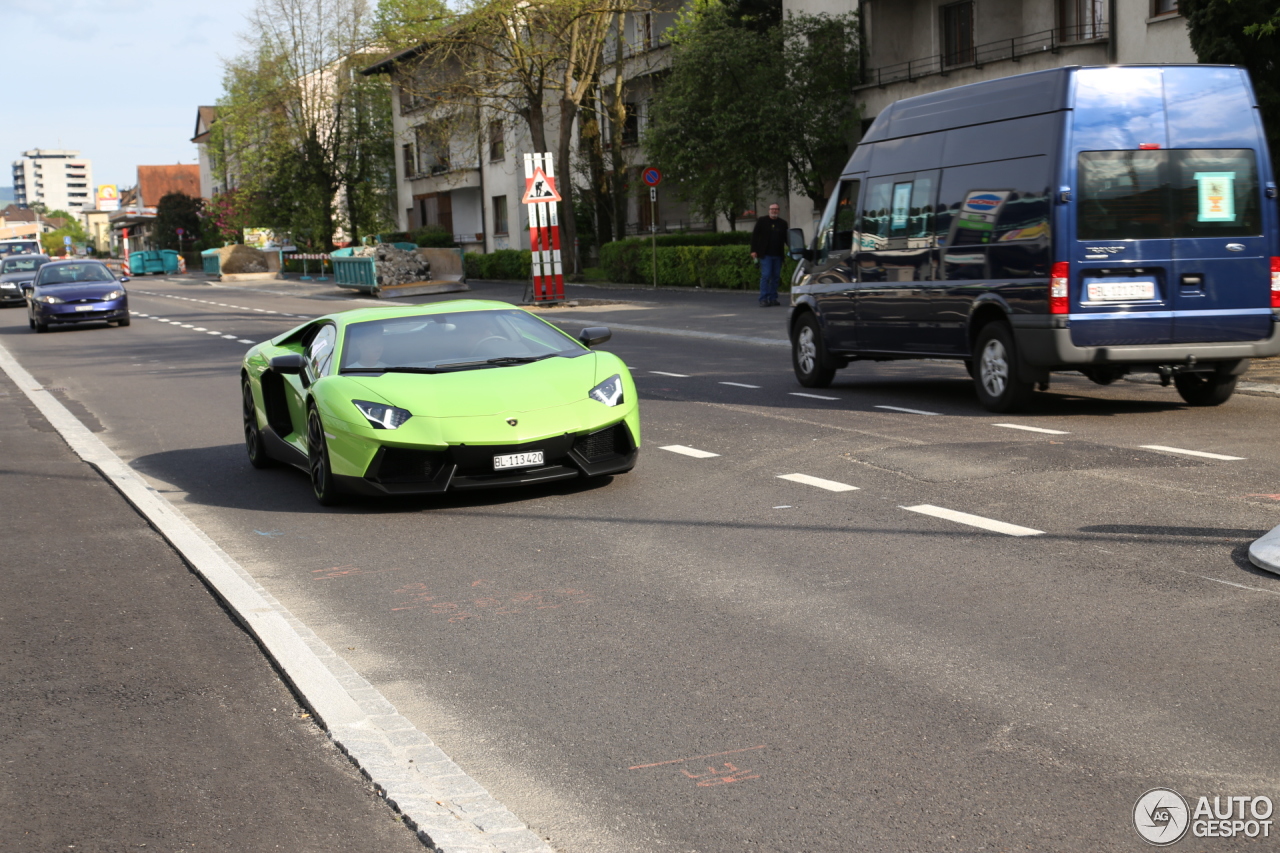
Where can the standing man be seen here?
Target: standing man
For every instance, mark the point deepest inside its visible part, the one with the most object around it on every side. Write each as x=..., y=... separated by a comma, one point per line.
x=768, y=245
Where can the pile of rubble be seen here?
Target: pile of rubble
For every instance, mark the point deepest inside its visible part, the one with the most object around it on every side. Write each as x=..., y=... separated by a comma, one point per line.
x=241, y=259
x=396, y=266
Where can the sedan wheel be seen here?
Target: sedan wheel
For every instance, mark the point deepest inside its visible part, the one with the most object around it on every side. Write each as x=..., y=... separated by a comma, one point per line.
x=322, y=482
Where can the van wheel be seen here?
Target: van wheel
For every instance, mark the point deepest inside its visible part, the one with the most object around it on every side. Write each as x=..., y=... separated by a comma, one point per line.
x=1205, y=389
x=995, y=370
x=809, y=354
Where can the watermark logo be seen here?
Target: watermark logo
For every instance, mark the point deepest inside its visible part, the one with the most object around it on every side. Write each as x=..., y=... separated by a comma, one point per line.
x=1161, y=816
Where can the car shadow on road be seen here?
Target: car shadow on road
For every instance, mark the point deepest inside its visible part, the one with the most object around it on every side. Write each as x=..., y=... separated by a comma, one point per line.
x=222, y=476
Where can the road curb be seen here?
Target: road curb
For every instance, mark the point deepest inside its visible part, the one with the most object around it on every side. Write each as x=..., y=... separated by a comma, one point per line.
x=1265, y=551
x=451, y=812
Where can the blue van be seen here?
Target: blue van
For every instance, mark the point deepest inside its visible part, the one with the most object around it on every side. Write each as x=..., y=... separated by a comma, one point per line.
x=1107, y=220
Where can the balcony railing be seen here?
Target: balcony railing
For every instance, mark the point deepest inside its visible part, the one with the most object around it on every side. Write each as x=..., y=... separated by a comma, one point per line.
x=1047, y=41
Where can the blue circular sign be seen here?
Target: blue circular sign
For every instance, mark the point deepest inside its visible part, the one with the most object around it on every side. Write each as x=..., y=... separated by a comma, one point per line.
x=652, y=177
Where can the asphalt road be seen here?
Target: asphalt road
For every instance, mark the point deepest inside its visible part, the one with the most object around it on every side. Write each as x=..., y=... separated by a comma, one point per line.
x=704, y=655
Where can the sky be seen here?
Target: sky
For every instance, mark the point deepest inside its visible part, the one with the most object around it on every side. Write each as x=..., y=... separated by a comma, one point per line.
x=118, y=80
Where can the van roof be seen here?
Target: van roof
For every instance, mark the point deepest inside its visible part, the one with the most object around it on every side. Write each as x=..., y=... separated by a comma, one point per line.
x=979, y=103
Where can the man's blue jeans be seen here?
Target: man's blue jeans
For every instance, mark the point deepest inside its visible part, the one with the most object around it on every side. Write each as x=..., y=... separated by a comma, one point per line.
x=770, y=278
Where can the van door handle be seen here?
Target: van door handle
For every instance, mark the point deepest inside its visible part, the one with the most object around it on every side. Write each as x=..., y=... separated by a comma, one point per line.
x=1195, y=281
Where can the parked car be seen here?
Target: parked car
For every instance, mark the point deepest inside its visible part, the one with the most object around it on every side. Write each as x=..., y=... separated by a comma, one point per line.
x=1107, y=220
x=75, y=292
x=420, y=399
x=15, y=271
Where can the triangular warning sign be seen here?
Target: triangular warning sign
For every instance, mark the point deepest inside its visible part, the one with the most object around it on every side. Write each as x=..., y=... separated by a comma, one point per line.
x=539, y=188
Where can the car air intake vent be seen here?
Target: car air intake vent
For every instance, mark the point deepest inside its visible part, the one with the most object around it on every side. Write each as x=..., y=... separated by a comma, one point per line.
x=401, y=465
x=603, y=444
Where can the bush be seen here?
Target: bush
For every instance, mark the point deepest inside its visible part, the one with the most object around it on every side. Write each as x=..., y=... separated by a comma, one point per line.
x=501, y=265
x=433, y=238
x=724, y=266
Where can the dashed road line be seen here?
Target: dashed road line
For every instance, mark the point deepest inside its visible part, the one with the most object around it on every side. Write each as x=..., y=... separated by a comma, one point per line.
x=829, y=485
x=676, y=375
x=1034, y=429
x=1199, y=453
x=740, y=385
x=689, y=451
x=908, y=411
x=973, y=520
x=811, y=396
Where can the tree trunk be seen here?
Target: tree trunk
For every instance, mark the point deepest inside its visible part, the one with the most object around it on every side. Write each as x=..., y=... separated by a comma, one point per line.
x=568, y=224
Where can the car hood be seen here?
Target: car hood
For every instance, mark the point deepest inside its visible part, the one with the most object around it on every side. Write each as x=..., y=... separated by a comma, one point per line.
x=87, y=290
x=19, y=276
x=542, y=384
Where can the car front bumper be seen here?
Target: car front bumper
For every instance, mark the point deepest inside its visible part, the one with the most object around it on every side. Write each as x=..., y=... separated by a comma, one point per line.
x=68, y=313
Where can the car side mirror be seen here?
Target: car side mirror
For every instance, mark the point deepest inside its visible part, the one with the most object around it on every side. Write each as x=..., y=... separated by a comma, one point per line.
x=795, y=244
x=593, y=335
x=291, y=363
x=26, y=288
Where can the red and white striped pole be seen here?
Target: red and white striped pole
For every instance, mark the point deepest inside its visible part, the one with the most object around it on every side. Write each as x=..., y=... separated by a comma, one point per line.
x=124, y=251
x=544, y=228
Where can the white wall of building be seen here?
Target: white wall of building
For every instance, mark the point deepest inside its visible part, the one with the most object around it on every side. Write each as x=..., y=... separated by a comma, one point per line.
x=61, y=180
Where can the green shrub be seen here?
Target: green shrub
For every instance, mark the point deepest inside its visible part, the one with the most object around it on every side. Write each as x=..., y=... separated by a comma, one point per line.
x=725, y=267
x=433, y=238
x=500, y=265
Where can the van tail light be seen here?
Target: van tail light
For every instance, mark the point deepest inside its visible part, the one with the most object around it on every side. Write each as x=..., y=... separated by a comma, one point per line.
x=1275, y=282
x=1061, y=271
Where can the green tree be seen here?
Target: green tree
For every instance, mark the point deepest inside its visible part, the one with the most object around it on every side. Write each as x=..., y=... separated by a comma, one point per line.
x=178, y=210
x=1245, y=33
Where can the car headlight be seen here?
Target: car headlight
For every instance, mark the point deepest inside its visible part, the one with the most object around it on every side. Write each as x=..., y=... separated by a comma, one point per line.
x=380, y=415
x=115, y=294
x=608, y=392
x=51, y=300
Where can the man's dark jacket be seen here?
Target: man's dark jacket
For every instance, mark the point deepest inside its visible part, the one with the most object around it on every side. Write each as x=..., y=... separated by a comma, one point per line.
x=769, y=239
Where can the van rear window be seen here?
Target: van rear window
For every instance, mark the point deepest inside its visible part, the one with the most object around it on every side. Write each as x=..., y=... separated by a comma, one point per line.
x=1146, y=195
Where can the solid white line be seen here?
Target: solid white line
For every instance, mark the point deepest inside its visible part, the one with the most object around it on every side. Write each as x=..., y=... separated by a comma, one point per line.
x=829, y=485
x=1033, y=429
x=1200, y=453
x=688, y=451
x=973, y=520
x=353, y=715
x=811, y=396
x=739, y=385
x=676, y=375
x=908, y=411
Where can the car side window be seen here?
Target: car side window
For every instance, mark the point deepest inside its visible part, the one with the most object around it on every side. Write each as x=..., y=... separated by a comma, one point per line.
x=839, y=222
x=320, y=350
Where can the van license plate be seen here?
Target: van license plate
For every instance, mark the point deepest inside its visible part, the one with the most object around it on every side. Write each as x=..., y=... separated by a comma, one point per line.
x=1121, y=291
x=517, y=460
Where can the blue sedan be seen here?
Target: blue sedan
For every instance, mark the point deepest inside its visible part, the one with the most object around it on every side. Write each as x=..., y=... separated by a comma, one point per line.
x=76, y=292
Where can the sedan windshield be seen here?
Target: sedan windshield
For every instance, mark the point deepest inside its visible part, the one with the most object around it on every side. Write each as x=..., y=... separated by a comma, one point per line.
x=461, y=341
x=54, y=274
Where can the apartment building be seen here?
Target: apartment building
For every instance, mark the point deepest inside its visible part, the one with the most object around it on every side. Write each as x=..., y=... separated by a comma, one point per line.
x=60, y=180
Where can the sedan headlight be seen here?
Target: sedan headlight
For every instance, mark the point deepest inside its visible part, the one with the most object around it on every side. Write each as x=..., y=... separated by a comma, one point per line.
x=115, y=294
x=608, y=392
x=50, y=300
x=380, y=415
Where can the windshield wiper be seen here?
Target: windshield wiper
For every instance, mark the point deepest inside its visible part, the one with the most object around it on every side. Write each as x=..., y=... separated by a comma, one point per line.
x=518, y=359
x=441, y=369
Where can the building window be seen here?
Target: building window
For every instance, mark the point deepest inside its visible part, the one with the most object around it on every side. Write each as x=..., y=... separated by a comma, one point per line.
x=1082, y=20
x=410, y=167
x=500, y=216
x=497, y=143
x=957, y=33
x=631, y=125
x=1163, y=7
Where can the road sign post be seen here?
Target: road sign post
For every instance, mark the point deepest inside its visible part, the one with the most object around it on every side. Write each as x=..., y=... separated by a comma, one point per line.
x=653, y=177
x=541, y=197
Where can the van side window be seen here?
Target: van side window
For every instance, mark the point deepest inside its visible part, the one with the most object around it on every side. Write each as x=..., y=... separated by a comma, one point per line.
x=835, y=234
x=897, y=229
x=993, y=219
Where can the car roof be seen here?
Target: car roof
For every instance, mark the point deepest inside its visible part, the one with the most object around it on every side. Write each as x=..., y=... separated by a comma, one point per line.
x=65, y=261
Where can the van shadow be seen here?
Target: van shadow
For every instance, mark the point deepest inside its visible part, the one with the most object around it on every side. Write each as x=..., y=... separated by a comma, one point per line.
x=221, y=476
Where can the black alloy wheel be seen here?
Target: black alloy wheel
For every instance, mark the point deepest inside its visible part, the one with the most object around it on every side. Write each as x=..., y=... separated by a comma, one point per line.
x=258, y=457
x=1205, y=389
x=124, y=321
x=40, y=328
x=809, y=354
x=995, y=370
x=322, y=482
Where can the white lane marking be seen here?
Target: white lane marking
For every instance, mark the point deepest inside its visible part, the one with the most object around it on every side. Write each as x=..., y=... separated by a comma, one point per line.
x=188, y=326
x=740, y=385
x=214, y=333
x=688, y=451
x=676, y=375
x=908, y=411
x=199, y=329
x=1034, y=429
x=243, y=341
x=784, y=506
x=811, y=396
x=1199, y=453
x=973, y=520
x=829, y=485
x=230, y=337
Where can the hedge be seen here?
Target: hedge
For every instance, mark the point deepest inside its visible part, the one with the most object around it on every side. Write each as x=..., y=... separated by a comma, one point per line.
x=500, y=265
x=731, y=267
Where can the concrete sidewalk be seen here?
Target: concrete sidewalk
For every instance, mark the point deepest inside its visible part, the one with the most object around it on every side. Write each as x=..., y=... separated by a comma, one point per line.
x=135, y=713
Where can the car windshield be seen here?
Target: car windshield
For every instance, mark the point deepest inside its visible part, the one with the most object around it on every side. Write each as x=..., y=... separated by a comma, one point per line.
x=21, y=265
x=55, y=274
x=459, y=341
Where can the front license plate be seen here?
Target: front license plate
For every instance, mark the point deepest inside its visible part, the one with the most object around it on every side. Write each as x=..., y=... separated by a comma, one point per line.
x=1121, y=291
x=85, y=307
x=517, y=460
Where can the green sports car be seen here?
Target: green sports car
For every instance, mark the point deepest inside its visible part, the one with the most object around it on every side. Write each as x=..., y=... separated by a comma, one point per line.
x=419, y=399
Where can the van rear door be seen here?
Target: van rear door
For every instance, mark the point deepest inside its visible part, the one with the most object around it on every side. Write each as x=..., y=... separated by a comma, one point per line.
x=1222, y=269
